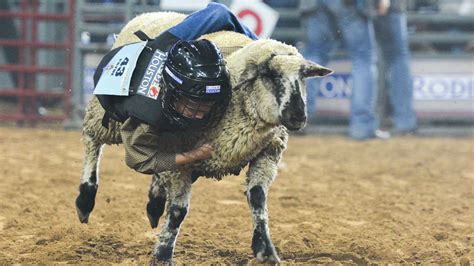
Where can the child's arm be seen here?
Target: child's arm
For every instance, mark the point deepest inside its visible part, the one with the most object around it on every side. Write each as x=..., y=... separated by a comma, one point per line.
x=142, y=152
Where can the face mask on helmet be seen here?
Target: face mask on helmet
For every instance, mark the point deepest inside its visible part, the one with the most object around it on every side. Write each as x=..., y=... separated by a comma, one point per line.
x=196, y=85
x=192, y=109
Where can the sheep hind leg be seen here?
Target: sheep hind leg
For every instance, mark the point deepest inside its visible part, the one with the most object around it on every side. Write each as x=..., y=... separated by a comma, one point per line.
x=156, y=201
x=179, y=194
x=85, y=201
x=262, y=246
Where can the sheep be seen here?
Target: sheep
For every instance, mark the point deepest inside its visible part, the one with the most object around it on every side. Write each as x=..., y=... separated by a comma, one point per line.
x=269, y=91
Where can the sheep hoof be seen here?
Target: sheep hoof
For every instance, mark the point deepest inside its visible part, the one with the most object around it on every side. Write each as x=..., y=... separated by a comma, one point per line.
x=153, y=221
x=273, y=259
x=156, y=261
x=263, y=249
x=83, y=217
x=265, y=258
x=85, y=201
x=154, y=209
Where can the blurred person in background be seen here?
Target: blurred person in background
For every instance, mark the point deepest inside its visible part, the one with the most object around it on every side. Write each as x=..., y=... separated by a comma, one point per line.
x=327, y=23
x=391, y=33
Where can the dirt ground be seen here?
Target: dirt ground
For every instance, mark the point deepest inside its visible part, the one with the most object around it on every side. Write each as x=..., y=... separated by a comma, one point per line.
x=335, y=200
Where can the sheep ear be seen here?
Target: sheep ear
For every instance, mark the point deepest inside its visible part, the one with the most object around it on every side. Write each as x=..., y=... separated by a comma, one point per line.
x=311, y=69
x=252, y=70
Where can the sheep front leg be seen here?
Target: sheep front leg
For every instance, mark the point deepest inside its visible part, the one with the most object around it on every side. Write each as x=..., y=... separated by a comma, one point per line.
x=85, y=201
x=156, y=201
x=262, y=171
x=262, y=246
x=179, y=194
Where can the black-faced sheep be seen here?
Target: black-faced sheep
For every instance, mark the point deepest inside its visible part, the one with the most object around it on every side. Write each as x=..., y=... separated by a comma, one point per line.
x=269, y=93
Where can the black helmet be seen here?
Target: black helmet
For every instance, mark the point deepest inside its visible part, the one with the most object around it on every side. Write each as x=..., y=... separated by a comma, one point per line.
x=196, y=82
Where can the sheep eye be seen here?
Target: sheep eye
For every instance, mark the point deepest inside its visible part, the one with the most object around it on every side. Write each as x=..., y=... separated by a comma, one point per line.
x=277, y=86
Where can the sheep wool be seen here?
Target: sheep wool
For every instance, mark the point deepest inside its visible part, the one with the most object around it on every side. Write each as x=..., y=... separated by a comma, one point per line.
x=268, y=98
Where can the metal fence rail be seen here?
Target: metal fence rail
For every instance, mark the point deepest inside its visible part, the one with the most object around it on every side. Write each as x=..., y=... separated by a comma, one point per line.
x=25, y=93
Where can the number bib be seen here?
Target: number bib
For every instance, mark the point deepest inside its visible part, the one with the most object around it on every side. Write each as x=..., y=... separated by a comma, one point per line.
x=117, y=74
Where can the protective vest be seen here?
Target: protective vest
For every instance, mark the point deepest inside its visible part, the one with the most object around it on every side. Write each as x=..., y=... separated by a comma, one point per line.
x=144, y=100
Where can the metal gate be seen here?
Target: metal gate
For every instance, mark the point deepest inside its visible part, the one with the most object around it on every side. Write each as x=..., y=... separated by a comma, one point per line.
x=37, y=44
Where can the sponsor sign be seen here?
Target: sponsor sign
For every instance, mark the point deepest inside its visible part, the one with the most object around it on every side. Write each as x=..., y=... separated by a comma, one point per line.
x=336, y=86
x=149, y=85
x=256, y=15
x=425, y=87
x=443, y=87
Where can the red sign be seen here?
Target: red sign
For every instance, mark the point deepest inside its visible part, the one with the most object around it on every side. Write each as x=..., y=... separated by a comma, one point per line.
x=250, y=13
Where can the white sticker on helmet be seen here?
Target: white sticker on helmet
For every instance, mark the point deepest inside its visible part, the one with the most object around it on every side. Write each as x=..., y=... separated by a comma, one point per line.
x=213, y=89
x=173, y=76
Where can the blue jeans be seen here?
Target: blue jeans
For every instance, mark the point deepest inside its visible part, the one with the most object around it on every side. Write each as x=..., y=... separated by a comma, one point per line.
x=215, y=17
x=325, y=27
x=391, y=34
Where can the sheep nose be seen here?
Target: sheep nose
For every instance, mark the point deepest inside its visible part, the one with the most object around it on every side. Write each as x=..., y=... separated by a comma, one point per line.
x=299, y=118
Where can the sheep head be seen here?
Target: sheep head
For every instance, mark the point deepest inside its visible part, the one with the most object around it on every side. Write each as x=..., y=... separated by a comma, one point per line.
x=275, y=74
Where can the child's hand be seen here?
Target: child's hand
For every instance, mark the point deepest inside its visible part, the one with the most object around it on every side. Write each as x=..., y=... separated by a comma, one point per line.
x=202, y=152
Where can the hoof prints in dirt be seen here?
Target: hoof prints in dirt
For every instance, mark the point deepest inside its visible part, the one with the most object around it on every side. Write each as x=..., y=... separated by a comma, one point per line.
x=332, y=257
x=106, y=247
x=239, y=258
x=202, y=255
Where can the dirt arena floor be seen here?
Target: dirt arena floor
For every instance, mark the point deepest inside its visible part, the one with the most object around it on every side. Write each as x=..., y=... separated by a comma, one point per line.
x=405, y=200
